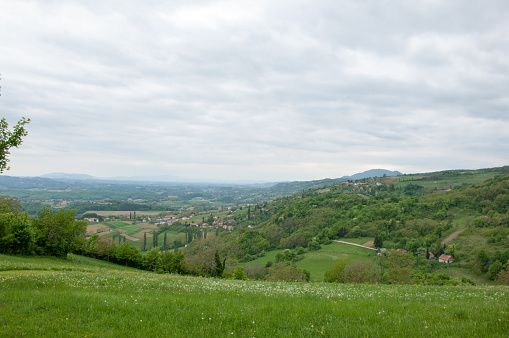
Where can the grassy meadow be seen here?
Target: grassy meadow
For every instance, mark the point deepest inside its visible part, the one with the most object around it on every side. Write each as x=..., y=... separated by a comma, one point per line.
x=317, y=262
x=87, y=298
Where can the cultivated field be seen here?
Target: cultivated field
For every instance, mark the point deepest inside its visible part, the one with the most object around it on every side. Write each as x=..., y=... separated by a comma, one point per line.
x=48, y=297
x=122, y=213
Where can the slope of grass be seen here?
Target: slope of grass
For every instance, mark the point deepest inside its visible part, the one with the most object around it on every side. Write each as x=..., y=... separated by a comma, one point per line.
x=111, y=303
x=317, y=262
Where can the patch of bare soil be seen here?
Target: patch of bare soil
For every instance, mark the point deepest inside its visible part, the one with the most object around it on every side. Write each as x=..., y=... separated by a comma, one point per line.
x=96, y=228
x=389, y=179
x=130, y=238
x=140, y=234
x=453, y=236
x=369, y=244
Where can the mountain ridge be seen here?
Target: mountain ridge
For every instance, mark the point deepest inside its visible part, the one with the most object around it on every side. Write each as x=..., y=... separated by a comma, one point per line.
x=176, y=179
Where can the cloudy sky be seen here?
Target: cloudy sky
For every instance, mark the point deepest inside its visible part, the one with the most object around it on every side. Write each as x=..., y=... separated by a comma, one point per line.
x=259, y=90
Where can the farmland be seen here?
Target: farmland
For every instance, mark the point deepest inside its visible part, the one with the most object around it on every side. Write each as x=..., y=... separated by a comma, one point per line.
x=41, y=296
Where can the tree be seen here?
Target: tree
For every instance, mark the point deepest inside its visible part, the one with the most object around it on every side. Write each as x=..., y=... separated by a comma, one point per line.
x=494, y=270
x=336, y=273
x=151, y=260
x=503, y=277
x=126, y=253
x=287, y=272
x=219, y=269
x=378, y=242
x=482, y=260
x=9, y=139
x=400, y=267
x=59, y=233
x=239, y=273
x=19, y=236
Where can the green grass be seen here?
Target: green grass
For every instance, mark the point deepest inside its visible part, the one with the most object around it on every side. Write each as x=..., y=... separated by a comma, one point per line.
x=317, y=262
x=102, y=302
x=443, y=181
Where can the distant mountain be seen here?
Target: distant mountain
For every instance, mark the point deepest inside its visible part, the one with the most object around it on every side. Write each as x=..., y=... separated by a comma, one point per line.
x=64, y=177
x=77, y=177
x=370, y=173
x=13, y=182
x=288, y=188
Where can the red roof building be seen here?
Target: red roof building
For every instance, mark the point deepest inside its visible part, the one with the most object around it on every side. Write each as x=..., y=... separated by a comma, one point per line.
x=446, y=259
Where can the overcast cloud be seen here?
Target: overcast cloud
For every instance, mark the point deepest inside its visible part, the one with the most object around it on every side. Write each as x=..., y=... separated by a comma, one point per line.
x=261, y=90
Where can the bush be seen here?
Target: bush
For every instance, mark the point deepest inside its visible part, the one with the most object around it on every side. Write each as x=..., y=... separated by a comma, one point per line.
x=287, y=272
x=239, y=273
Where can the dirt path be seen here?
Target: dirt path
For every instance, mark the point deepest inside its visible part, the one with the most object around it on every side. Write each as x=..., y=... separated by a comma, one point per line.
x=354, y=244
x=453, y=236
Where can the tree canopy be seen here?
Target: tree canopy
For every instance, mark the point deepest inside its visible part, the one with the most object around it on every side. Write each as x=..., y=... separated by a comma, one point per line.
x=9, y=139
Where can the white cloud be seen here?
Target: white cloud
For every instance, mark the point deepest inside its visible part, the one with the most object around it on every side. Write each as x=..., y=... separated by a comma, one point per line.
x=255, y=89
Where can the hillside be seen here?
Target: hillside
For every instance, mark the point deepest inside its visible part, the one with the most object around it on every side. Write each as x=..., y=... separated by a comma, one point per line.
x=405, y=212
x=84, y=297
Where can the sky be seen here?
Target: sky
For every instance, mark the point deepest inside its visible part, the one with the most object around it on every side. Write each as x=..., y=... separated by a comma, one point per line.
x=255, y=90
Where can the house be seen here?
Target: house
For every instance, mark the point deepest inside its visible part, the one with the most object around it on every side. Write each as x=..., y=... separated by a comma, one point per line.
x=446, y=259
x=381, y=251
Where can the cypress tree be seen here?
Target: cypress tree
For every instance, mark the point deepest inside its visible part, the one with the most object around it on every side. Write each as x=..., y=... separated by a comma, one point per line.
x=164, y=242
x=144, y=241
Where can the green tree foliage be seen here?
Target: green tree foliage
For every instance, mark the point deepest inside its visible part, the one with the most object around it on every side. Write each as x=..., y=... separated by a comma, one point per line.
x=220, y=265
x=286, y=272
x=503, y=276
x=378, y=242
x=10, y=139
x=17, y=235
x=238, y=273
x=59, y=233
x=400, y=267
x=336, y=273
x=250, y=244
x=439, y=279
x=482, y=260
x=173, y=262
x=344, y=271
x=128, y=255
x=495, y=269
x=313, y=245
x=152, y=259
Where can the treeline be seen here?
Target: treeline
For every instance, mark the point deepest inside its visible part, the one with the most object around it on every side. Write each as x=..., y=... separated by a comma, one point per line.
x=49, y=234
x=105, y=248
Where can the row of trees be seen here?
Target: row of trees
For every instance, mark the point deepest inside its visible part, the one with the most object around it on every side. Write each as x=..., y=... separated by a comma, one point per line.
x=126, y=254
